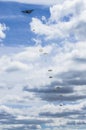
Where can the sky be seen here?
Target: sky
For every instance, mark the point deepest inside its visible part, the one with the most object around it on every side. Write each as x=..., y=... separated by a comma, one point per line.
x=43, y=65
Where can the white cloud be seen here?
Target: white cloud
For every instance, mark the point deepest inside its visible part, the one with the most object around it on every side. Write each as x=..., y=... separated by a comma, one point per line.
x=2, y=29
x=66, y=19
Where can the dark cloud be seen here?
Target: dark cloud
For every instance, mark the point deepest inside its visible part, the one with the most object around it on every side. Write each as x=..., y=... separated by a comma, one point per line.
x=52, y=92
x=73, y=78
x=61, y=98
x=77, y=82
x=72, y=74
x=50, y=89
x=56, y=94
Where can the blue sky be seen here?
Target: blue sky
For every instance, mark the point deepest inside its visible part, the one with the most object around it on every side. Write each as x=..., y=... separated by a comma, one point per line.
x=43, y=65
x=19, y=32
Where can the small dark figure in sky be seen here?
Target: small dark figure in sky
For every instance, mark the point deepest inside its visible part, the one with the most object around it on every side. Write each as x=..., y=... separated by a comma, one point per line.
x=50, y=70
x=27, y=11
x=50, y=77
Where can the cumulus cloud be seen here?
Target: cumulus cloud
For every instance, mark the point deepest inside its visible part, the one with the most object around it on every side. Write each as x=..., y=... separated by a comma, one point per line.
x=66, y=20
x=2, y=29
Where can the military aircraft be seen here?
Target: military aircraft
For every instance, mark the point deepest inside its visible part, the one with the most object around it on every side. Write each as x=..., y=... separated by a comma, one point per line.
x=27, y=11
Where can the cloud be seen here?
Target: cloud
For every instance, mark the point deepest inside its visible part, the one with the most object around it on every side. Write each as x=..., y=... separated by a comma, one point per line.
x=50, y=89
x=7, y=119
x=66, y=20
x=29, y=87
x=22, y=127
x=11, y=121
x=15, y=66
x=2, y=29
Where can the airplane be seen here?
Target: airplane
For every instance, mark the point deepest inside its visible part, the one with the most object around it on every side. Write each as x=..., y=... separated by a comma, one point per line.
x=27, y=11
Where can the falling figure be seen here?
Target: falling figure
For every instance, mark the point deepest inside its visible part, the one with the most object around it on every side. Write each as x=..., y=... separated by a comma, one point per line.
x=61, y=104
x=57, y=87
x=50, y=70
x=41, y=50
x=45, y=53
x=50, y=77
